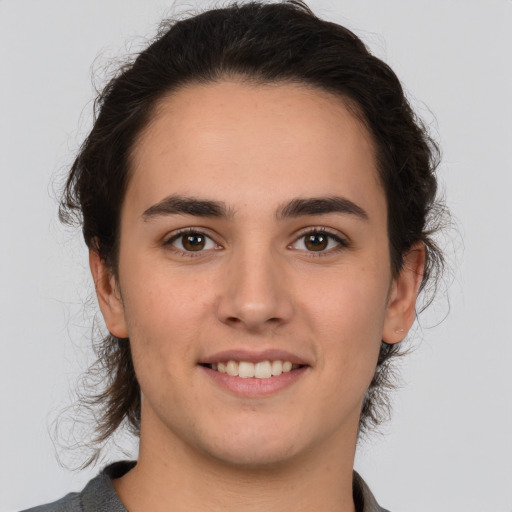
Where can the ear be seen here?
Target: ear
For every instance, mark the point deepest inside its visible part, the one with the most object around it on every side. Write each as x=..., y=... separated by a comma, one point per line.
x=109, y=297
x=402, y=297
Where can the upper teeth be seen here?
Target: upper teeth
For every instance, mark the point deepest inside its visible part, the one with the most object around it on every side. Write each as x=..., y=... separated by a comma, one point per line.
x=261, y=370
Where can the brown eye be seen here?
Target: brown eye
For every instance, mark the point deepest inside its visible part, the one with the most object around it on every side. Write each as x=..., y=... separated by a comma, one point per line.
x=319, y=241
x=192, y=241
x=316, y=241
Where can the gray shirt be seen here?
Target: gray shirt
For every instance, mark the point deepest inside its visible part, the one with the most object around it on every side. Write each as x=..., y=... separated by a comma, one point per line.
x=99, y=494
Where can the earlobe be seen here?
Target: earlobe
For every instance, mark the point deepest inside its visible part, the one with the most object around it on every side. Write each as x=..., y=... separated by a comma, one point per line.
x=109, y=298
x=402, y=297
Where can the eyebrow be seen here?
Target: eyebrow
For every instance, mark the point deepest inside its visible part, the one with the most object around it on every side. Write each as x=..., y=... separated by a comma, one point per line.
x=321, y=206
x=181, y=205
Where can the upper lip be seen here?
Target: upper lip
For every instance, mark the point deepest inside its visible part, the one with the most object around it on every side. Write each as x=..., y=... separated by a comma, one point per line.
x=254, y=356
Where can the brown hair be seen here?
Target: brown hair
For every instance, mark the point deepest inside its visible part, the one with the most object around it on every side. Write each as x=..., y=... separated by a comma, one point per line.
x=263, y=43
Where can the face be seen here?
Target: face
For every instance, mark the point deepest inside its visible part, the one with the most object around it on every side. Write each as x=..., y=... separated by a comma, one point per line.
x=254, y=239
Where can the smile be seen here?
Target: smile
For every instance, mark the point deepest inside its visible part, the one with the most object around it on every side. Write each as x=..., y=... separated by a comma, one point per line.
x=259, y=370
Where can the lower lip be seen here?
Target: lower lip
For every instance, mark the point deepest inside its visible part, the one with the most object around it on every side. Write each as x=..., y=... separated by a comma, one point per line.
x=252, y=387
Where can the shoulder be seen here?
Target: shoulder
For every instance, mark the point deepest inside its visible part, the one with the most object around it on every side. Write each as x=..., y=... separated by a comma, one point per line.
x=68, y=503
x=98, y=495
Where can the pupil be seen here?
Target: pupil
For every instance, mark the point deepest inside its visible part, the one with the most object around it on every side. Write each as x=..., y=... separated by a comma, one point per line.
x=316, y=242
x=194, y=242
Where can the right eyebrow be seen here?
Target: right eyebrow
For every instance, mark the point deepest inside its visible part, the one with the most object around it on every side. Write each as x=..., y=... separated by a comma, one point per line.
x=321, y=206
x=182, y=205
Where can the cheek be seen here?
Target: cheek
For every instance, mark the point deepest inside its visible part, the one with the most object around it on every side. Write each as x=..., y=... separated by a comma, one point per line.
x=161, y=327
x=163, y=314
x=155, y=294
x=348, y=315
x=351, y=300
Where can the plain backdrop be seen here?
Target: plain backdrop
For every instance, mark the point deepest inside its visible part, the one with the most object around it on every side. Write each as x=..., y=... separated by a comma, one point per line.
x=449, y=444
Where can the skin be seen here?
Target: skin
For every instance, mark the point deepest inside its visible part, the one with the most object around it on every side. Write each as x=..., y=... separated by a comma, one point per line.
x=255, y=286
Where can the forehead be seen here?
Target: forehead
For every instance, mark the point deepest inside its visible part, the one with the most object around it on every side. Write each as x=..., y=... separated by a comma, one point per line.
x=272, y=142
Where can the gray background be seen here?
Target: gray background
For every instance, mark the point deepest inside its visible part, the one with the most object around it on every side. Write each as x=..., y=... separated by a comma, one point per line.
x=448, y=446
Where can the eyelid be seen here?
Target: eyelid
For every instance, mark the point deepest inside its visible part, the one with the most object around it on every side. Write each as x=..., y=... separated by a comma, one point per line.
x=342, y=240
x=170, y=238
x=186, y=230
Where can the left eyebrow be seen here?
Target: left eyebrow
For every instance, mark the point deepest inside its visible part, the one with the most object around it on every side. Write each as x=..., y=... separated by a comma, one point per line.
x=321, y=206
x=182, y=205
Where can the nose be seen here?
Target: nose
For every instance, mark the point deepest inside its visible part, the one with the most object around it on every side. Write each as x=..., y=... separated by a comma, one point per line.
x=255, y=294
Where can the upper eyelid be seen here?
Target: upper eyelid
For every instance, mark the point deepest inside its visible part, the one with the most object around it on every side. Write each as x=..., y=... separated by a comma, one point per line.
x=173, y=235
x=321, y=229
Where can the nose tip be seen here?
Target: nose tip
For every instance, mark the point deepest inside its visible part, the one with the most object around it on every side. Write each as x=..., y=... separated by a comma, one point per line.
x=255, y=297
x=253, y=317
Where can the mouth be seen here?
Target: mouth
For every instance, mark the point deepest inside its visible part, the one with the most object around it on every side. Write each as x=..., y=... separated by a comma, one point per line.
x=255, y=374
x=253, y=370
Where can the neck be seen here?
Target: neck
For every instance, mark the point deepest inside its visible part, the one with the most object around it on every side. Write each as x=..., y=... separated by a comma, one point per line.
x=170, y=475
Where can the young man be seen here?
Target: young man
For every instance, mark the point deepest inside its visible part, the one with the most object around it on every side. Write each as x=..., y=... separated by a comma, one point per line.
x=254, y=195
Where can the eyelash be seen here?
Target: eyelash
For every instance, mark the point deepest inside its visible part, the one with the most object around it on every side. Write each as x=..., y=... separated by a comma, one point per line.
x=341, y=242
x=189, y=231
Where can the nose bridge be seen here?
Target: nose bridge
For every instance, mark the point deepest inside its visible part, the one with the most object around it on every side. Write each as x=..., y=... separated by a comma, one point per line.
x=254, y=293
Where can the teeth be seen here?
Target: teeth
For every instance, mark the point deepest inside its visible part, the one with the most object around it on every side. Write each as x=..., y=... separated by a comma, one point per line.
x=277, y=367
x=245, y=370
x=232, y=368
x=261, y=370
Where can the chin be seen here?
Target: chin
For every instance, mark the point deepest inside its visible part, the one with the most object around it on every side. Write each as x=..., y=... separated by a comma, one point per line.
x=252, y=449
x=252, y=457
